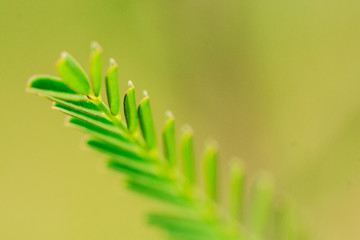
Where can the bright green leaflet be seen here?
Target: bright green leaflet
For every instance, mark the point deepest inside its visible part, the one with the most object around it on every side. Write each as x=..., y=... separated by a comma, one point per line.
x=130, y=109
x=169, y=139
x=210, y=172
x=95, y=67
x=237, y=188
x=112, y=88
x=261, y=204
x=187, y=155
x=73, y=75
x=146, y=122
x=132, y=149
x=53, y=87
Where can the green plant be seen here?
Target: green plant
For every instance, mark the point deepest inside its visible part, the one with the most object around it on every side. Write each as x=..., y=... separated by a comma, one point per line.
x=133, y=149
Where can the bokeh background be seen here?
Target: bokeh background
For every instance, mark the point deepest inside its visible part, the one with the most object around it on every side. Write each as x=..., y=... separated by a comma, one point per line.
x=275, y=82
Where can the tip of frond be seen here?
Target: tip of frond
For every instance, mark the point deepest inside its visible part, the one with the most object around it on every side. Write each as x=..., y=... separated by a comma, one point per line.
x=212, y=144
x=237, y=163
x=130, y=84
x=95, y=46
x=34, y=78
x=112, y=62
x=64, y=55
x=265, y=179
x=53, y=105
x=30, y=81
x=67, y=121
x=84, y=143
x=145, y=98
x=169, y=115
x=187, y=129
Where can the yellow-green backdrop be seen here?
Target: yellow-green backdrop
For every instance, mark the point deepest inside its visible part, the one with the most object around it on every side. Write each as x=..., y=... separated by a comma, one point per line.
x=275, y=82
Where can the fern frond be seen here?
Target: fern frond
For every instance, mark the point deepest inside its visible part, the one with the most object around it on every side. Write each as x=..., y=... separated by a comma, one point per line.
x=132, y=149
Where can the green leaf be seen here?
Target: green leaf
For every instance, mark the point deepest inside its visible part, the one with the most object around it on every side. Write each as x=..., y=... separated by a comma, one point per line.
x=130, y=109
x=146, y=122
x=166, y=193
x=136, y=169
x=187, y=154
x=285, y=222
x=169, y=139
x=261, y=202
x=210, y=171
x=189, y=228
x=183, y=234
x=115, y=151
x=104, y=135
x=53, y=87
x=95, y=120
x=72, y=74
x=236, y=191
x=112, y=87
x=95, y=67
x=83, y=106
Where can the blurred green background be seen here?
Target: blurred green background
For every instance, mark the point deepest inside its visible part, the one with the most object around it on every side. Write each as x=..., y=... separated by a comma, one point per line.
x=275, y=82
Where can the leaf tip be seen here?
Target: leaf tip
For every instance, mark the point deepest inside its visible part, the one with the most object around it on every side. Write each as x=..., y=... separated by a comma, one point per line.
x=33, y=82
x=68, y=121
x=113, y=63
x=266, y=181
x=64, y=55
x=237, y=165
x=169, y=115
x=130, y=84
x=212, y=145
x=95, y=47
x=30, y=82
x=187, y=130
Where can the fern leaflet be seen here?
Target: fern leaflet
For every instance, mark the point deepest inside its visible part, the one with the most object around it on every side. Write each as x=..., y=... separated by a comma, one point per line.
x=132, y=148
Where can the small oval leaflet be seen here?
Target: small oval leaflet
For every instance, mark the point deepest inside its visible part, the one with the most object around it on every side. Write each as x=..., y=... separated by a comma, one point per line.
x=95, y=67
x=112, y=88
x=72, y=74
